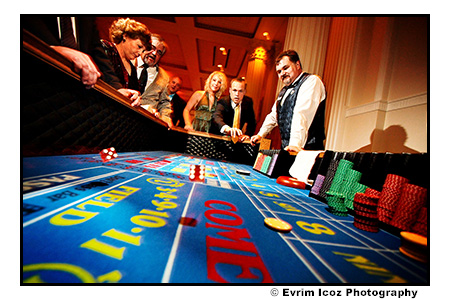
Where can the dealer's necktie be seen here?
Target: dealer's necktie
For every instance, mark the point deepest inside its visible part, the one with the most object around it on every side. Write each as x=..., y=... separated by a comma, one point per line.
x=236, y=121
x=67, y=37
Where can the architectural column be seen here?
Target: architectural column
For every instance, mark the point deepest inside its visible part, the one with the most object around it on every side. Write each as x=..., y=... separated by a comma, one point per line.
x=336, y=76
x=255, y=75
x=309, y=36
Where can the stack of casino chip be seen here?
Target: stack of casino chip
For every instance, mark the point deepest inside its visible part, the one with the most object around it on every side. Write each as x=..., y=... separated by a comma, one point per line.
x=412, y=199
x=421, y=225
x=373, y=192
x=336, y=204
x=331, y=171
x=357, y=187
x=390, y=195
x=317, y=184
x=365, y=207
x=322, y=169
x=351, y=186
x=342, y=170
x=335, y=195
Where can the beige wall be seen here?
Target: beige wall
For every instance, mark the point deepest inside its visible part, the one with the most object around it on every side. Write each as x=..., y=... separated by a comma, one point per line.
x=385, y=105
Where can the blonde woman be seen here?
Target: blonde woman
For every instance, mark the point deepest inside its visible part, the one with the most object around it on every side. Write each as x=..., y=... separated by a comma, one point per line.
x=204, y=103
x=129, y=39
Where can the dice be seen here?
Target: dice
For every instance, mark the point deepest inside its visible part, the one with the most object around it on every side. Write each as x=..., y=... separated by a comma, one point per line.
x=197, y=173
x=108, y=154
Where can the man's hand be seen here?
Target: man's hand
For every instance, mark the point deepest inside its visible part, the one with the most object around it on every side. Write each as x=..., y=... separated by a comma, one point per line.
x=133, y=95
x=233, y=132
x=168, y=121
x=255, y=139
x=294, y=149
x=154, y=112
x=82, y=64
x=243, y=138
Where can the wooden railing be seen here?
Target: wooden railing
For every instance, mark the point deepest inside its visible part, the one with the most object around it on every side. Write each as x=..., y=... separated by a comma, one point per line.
x=42, y=51
x=40, y=95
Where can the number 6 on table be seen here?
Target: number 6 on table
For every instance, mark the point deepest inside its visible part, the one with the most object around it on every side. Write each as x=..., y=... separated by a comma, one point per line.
x=315, y=228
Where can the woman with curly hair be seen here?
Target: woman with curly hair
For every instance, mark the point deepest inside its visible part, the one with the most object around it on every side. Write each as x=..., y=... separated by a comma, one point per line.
x=129, y=38
x=204, y=103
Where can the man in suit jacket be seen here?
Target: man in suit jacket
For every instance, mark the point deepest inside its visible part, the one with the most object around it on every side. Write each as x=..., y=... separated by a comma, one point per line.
x=153, y=80
x=178, y=104
x=224, y=116
x=88, y=42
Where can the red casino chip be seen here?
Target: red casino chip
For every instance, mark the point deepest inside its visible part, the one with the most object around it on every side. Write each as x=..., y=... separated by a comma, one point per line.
x=369, y=228
x=188, y=221
x=291, y=182
x=358, y=207
x=372, y=192
x=421, y=224
x=414, y=245
x=366, y=199
x=366, y=219
x=411, y=201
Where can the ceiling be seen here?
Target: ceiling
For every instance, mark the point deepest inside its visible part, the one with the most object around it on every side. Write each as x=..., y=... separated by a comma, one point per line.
x=194, y=43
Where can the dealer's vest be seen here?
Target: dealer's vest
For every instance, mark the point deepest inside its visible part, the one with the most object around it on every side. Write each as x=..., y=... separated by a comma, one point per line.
x=316, y=132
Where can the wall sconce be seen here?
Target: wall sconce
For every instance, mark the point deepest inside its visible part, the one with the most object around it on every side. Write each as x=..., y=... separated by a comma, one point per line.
x=266, y=35
x=259, y=53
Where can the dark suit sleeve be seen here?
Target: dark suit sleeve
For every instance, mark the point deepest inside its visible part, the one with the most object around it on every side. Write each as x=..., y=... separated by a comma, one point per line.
x=91, y=45
x=45, y=27
x=178, y=106
x=250, y=118
x=218, y=116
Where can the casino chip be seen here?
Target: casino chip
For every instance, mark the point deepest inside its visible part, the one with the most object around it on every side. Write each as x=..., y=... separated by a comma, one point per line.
x=243, y=172
x=277, y=225
x=188, y=221
x=414, y=246
x=291, y=182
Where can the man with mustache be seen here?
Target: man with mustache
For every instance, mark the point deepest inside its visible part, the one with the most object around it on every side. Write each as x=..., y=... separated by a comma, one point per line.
x=153, y=80
x=235, y=106
x=299, y=110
